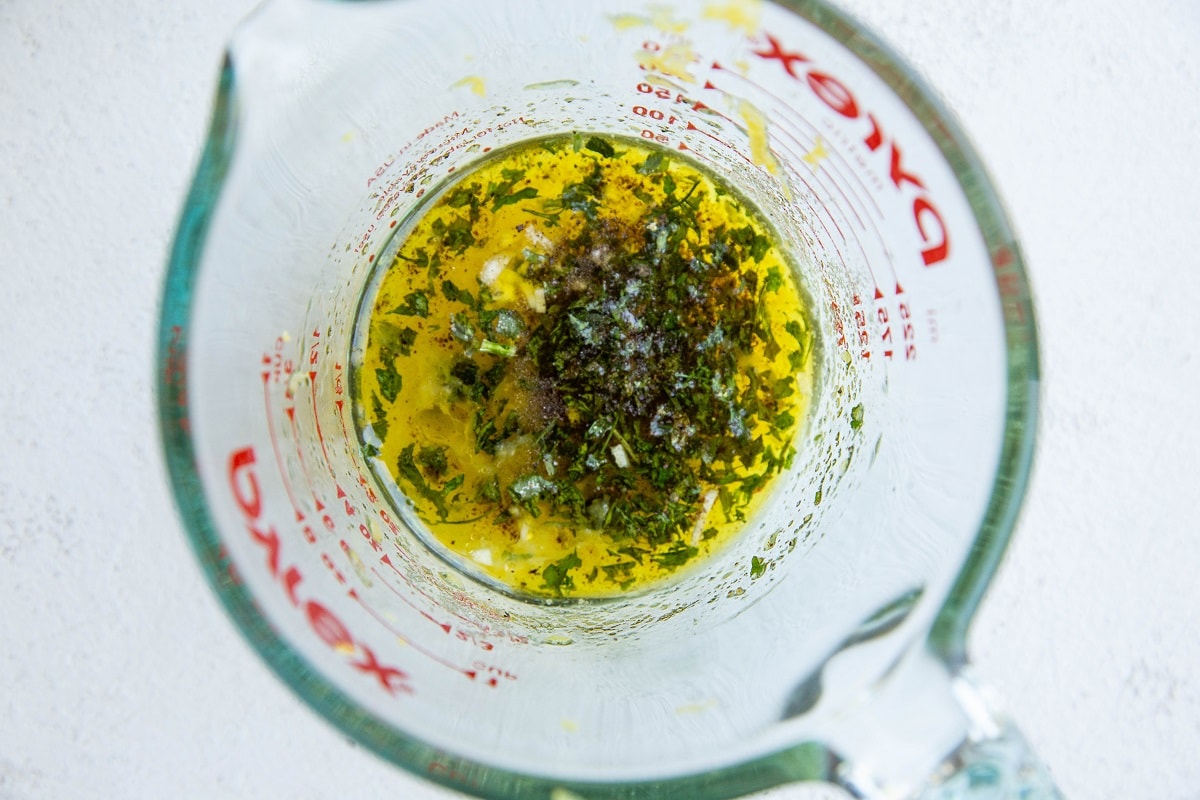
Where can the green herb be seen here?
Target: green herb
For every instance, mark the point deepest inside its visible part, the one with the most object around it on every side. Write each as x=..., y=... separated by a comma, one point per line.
x=557, y=576
x=416, y=304
x=433, y=460
x=463, y=196
x=774, y=280
x=758, y=567
x=601, y=146
x=389, y=384
x=856, y=417
x=379, y=422
x=497, y=349
x=506, y=324
x=408, y=470
x=451, y=292
x=394, y=341
x=655, y=163
x=649, y=403
x=529, y=489
x=583, y=196
x=527, y=193
x=423, y=261
x=676, y=556
x=457, y=234
x=551, y=219
x=405, y=337
x=505, y=193
x=461, y=328
x=644, y=393
x=490, y=491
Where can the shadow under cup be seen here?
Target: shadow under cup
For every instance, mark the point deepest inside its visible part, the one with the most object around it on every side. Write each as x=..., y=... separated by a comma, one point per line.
x=333, y=122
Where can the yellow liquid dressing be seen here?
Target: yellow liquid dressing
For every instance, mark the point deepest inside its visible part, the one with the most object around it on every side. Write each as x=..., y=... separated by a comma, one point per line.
x=585, y=366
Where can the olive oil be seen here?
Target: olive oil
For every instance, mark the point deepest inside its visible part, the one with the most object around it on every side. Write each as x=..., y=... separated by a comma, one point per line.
x=585, y=365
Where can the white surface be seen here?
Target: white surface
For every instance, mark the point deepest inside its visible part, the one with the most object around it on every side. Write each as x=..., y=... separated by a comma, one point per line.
x=122, y=678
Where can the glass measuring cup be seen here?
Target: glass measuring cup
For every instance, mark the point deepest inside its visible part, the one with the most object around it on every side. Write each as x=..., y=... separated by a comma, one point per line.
x=827, y=642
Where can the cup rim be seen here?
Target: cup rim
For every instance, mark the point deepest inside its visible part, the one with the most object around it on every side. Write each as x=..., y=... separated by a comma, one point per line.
x=805, y=761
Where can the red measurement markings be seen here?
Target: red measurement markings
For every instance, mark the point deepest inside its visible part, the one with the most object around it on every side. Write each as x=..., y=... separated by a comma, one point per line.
x=839, y=327
x=819, y=144
x=668, y=118
x=661, y=138
x=655, y=114
x=472, y=674
x=843, y=177
x=471, y=637
x=820, y=211
x=927, y=220
x=313, y=359
x=328, y=627
x=291, y=415
x=832, y=187
x=479, y=629
x=873, y=265
x=691, y=126
x=387, y=561
x=897, y=332
x=797, y=120
x=493, y=672
x=340, y=403
x=862, y=330
x=278, y=370
x=321, y=438
x=663, y=93
x=814, y=210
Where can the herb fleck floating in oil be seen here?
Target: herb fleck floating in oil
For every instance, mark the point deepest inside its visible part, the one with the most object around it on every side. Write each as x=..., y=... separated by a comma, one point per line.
x=585, y=365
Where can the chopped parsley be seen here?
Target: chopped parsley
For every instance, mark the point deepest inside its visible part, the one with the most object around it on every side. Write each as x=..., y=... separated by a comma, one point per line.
x=629, y=376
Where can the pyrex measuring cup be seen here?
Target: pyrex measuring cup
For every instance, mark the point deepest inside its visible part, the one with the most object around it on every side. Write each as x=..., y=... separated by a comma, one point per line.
x=827, y=642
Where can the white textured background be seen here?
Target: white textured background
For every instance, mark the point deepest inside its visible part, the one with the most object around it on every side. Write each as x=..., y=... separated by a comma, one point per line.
x=121, y=678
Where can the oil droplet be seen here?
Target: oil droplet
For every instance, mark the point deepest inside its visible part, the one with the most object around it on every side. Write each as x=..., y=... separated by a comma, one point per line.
x=661, y=17
x=472, y=82
x=624, y=22
x=758, y=132
x=817, y=155
x=743, y=15
x=674, y=60
x=698, y=707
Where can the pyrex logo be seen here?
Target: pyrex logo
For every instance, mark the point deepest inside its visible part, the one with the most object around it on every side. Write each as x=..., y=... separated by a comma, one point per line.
x=244, y=484
x=930, y=225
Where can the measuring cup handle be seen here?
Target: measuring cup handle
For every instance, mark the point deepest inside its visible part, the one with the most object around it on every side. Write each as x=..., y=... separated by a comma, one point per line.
x=1001, y=767
x=932, y=734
